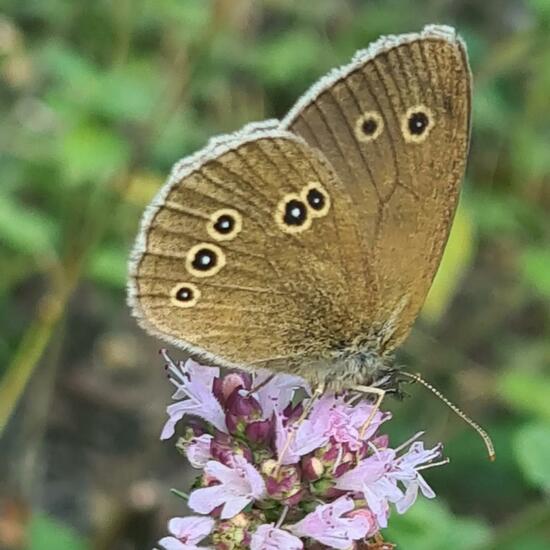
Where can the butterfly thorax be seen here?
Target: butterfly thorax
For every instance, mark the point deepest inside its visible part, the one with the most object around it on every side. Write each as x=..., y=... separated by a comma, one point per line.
x=360, y=363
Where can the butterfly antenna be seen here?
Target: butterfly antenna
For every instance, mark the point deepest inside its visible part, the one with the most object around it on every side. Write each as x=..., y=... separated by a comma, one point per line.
x=483, y=434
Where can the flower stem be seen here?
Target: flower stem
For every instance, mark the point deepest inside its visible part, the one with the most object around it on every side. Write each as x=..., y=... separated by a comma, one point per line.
x=180, y=494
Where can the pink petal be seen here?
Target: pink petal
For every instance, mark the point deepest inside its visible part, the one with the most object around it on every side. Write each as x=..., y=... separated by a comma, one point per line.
x=254, y=478
x=369, y=470
x=198, y=451
x=170, y=543
x=267, y=537
x=192, y=528
x=278, y=392
x=206, y=499
x=308, y=436
x=233, y=506
x=219, y=471
x=326, y=525
x=201, y=373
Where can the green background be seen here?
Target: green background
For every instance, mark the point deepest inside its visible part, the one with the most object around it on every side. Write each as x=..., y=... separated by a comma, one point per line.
x=97, y=101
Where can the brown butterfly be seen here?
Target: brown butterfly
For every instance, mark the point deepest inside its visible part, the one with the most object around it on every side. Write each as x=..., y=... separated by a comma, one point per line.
x=308, y=245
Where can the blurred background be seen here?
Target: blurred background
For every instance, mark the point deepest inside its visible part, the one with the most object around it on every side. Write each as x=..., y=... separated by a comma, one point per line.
x=97, y=101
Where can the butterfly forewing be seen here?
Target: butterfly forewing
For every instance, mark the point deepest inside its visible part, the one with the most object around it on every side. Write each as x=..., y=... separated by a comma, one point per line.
x=395, y=125
x=251, y=253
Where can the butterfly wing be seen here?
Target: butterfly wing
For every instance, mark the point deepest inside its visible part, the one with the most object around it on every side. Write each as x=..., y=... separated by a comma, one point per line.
x=395, y=124
x=251, y=254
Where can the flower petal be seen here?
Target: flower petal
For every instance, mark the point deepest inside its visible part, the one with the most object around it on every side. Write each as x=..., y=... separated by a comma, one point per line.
x=276, y=394
x=206, y=499
x=233, y=506
x=197, y=451
x=327, y=525
x=267, y=537
x=171, y=543
x=192, y=528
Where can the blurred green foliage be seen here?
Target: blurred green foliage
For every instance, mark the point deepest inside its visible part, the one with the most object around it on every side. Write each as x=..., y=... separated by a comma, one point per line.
x=99, y=99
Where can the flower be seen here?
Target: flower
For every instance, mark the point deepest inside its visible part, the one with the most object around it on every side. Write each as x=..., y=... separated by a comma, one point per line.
x=187, y=532
x=304, y=438
x=268, y=537
x=377, y=476
x=406, y=471
x=195, y=382
x=330, y=525
x=344, y=422
x=278, y=471
x=237, y=488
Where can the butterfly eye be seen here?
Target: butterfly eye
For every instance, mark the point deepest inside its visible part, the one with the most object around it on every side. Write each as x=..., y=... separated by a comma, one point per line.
x=369, y=126
x=185, y=295
x=292, y=214
x=204, y=260
x=317, y=199
x=225, y=224
x=417, y=124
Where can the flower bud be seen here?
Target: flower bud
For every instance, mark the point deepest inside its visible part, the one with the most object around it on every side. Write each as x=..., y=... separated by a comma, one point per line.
x=223, y=448
x=312, y=468
x=260, y=432
x=283, y=483
x=241, y=410
x=235, y=533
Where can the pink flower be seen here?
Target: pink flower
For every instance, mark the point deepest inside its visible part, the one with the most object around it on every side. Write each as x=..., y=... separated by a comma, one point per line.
x=329, y=524
x=378, y=475
x=406, y=471
x=187, y=532
x=307, y=437
x=267, y=537
x=194, y=382
x=261, y=460
x=343, y=422
x=197, y=451
x=370, y=478
x=238, y=486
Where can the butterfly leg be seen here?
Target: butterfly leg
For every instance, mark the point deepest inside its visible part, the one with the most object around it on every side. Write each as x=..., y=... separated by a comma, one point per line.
x=305, y=413
x=380, y=393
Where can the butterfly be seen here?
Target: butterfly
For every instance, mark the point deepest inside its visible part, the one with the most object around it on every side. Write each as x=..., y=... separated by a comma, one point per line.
x=307, y=245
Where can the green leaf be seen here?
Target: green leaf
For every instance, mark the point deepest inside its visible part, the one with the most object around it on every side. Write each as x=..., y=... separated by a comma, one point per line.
x=428, y=525
x=532, y=450
x=527, y=392
x=46, y=533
